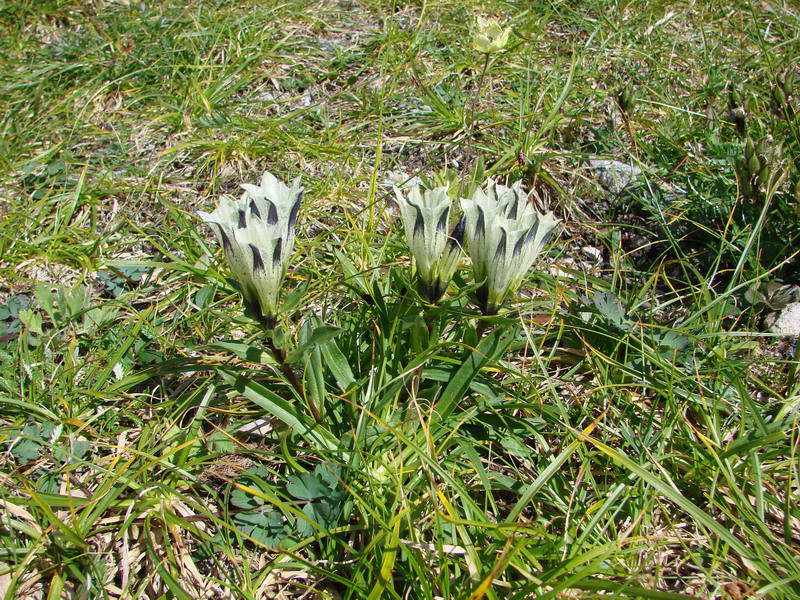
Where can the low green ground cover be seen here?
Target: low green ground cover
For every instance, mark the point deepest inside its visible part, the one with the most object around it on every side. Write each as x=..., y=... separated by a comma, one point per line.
x=626, y=426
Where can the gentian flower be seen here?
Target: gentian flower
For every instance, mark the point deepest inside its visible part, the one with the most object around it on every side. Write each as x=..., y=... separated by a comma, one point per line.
x=504, y=235
x=490, y=36
x=257, y=234
x=425, y=217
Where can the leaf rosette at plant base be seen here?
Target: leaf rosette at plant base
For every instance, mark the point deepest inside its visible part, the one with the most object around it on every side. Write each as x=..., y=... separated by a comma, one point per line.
x=257, y=233
x=505, y=235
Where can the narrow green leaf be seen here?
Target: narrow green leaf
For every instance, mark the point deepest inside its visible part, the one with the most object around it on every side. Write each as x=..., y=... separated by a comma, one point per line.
x=101, y=376
x=318, y=336
x=675, y=496
x=294, y=417
x=491, y=347
x=243, y=351
x=70, y=534
x=543, y=478
x=632, y=591
x=314, y=375
x=337, y=363
x=745, y=445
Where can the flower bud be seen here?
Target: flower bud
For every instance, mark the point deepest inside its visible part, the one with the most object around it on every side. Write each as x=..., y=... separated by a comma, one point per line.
x=626, y=99
x=749, y=148
x=489, y=36
x=753, y=165
x=734, y=98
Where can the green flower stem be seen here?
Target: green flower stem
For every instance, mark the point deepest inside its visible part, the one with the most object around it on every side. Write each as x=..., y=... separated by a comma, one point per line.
x=793, y=372
x=285, y=368
x=632, y=137
x=480, y=330
x=430, y=319
x=474, y=100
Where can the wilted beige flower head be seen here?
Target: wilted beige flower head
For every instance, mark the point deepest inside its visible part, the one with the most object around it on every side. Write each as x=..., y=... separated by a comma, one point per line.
x=257, y=234
x=490, y=36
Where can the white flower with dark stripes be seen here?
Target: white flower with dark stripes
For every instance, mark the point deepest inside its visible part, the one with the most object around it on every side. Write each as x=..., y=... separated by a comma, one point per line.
x=504, y=235
x=436, y=252
x=257, y=234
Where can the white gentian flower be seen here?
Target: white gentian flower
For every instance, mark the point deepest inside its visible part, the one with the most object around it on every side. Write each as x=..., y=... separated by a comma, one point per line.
x=257, y=234
x=425, y=217
x=490, y=36
x=504, y=235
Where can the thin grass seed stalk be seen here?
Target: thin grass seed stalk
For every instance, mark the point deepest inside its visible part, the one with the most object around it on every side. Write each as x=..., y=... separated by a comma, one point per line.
x=505, y=235
x=437, y=253
x=257, y=234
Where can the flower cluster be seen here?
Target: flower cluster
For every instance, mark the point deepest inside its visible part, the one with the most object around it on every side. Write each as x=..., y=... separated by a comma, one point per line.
x=257, y=234
x=504, y=235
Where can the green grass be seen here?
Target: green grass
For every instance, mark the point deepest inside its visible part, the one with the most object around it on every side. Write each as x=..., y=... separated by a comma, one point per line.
x=626, y=428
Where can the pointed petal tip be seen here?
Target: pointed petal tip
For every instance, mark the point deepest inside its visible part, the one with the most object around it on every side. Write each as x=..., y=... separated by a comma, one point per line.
x=267, y=178
x=251, y=190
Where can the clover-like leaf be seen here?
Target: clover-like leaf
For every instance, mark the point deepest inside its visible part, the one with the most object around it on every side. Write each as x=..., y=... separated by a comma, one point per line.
x=610, y=307
x=673, y=340
x=26, y=450
x=266, y=527
x=307, y=486
x=330, y=473
x=245, y=501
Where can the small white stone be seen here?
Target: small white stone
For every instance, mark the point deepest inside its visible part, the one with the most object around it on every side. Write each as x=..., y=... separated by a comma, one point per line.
x=561, y=268
x=788, y=321
x=401, y=180
x=594, y=253
x=258, y=427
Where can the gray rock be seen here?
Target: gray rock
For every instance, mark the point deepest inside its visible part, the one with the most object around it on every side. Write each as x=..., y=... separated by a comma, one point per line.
x=788, y=321
x=614, y=175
